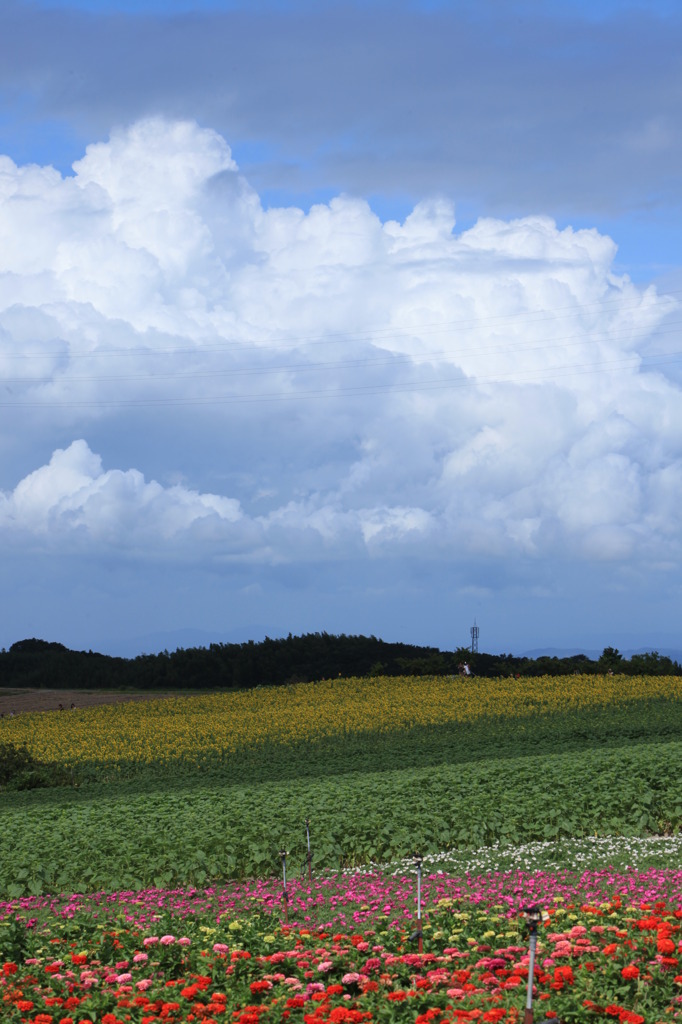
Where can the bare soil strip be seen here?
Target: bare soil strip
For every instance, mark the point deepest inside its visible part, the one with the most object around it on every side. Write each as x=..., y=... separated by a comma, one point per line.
x=23, y=700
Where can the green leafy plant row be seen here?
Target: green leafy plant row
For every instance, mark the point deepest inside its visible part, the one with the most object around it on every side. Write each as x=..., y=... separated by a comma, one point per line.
x=97, y=838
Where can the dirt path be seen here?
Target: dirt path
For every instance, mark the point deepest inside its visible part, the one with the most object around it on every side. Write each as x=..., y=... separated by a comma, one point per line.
x=20, y=701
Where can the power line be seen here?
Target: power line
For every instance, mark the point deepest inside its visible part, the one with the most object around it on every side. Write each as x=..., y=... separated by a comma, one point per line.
x=564, y=342
x=539, y=376
x=371, y=334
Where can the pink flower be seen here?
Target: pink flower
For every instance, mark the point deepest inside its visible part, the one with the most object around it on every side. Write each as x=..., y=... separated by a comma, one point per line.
x=151, y=940
x=220, y=947
x=184, y=941
x=143, y=985
x=140, y=958
x=124, y=977
x=325, y=965
x=349, y=978
x=167, y=940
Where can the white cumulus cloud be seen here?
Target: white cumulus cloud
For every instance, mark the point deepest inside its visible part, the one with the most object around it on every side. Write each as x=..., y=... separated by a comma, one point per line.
x=352, y=387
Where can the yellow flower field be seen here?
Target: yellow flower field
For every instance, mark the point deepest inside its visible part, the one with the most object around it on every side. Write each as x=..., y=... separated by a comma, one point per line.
x=193, y=727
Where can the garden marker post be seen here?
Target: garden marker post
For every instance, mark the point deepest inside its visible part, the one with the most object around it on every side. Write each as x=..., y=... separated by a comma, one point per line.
x=533, y=918
x=283, y=855
x=419, y=935
x=310, y=856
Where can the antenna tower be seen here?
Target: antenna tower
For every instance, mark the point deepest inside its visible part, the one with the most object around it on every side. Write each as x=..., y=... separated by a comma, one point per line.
x=474, y=638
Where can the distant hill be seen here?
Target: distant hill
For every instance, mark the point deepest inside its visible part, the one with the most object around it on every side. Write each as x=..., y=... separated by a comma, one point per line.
x=39, y=663
x=675, y=654
x=560, y=652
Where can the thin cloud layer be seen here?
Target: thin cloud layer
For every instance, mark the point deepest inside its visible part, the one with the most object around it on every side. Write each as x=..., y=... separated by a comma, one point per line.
x=344, y=96
x=353, y=389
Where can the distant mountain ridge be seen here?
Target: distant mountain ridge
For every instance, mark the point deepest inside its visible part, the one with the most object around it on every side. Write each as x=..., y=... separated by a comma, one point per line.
x=675, y=654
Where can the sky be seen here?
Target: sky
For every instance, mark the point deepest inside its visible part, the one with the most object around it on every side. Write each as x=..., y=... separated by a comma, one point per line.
x=343, y=317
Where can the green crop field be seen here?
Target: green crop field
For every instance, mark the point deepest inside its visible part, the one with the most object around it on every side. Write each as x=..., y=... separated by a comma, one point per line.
x=574, y=766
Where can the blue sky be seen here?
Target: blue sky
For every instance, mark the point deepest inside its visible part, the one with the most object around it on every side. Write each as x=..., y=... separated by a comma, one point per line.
x=339, y=316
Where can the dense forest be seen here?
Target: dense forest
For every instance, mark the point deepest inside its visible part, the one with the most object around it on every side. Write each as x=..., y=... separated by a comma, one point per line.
x=37, y=663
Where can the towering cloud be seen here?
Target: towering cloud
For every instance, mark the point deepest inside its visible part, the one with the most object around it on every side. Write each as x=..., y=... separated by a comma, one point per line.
x=346, y=387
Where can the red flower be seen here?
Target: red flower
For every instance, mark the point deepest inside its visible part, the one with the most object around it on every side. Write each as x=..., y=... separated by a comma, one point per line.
x=630, y=972
x=260, y=986
x=341, y=1015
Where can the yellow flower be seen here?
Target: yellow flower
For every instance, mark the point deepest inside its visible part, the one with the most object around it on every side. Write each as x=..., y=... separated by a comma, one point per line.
x=199, y=728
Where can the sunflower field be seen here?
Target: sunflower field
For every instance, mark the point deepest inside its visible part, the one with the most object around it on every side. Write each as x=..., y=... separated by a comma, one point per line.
x=165, y=874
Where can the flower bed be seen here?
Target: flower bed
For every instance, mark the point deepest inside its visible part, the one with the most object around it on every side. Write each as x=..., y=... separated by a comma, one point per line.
x=226, y=956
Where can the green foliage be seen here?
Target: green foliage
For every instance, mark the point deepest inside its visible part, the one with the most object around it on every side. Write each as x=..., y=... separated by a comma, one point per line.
x=370, y=797
x=36, y=663
x=19, y=770
x=121, y=837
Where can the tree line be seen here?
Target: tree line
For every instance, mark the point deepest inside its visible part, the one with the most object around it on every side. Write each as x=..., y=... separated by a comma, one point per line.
x=38, y=663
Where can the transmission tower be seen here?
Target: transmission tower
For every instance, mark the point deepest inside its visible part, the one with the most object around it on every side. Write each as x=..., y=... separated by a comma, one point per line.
x=474, y=638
